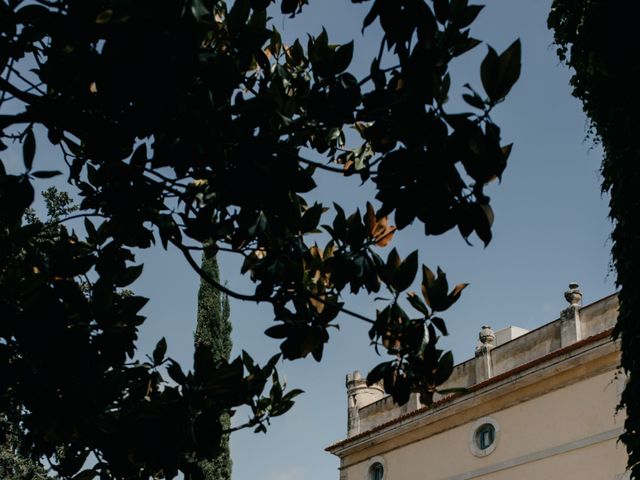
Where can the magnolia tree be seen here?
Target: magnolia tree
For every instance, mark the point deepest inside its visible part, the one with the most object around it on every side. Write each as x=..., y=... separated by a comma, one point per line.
x=189, y=123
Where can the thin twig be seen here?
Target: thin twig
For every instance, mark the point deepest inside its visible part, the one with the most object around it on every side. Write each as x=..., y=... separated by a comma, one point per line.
x=321, y=165
x=72, y=217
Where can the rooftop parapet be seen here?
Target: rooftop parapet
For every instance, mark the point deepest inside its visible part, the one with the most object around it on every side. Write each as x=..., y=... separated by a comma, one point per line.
x=497, y=354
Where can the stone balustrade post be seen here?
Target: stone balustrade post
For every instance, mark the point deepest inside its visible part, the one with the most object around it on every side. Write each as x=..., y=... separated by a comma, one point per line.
x=484, y=365
x=570, y=328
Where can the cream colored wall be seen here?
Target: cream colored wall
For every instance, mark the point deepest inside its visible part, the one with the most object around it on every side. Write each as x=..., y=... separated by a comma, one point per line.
x=588, y=463
x=561, y=417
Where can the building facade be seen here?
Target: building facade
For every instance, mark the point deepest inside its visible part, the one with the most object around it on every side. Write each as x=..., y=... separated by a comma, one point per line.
x=539, y=405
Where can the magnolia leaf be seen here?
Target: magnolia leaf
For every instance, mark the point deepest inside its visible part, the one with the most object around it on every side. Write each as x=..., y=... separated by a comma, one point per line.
x=406, y=272
x=417, y=303
x=46, y=173
x=160, y=351
x=440, y=325
x=29, y=149
x=445, y=368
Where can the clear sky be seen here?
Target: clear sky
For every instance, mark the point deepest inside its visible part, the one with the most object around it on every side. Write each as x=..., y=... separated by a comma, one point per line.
x=551, y=228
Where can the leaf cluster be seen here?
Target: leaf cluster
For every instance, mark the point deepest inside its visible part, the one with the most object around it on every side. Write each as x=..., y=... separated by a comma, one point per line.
x=188, y=123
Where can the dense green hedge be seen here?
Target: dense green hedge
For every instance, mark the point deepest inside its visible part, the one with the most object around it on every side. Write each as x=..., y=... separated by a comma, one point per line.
x=598, y=39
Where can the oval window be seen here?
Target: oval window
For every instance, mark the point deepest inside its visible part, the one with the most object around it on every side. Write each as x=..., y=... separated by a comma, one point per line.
x=485, y=436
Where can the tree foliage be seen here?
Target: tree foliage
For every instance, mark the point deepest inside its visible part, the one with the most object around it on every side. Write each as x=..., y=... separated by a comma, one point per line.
x=16, y=462
x=16, y=459
x=213, y=341
x=598, y=40
x=190, y=122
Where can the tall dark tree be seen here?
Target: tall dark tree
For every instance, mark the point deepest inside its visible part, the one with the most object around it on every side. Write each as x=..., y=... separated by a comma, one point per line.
x=190, y=122
x=16, y=459
x=598, y=39
x=213, y=341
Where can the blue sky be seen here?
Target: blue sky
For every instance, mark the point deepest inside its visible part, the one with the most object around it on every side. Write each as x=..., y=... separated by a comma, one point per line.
x=551, y=228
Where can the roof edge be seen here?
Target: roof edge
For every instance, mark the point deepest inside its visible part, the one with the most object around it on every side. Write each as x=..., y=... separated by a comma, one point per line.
x=474, y=388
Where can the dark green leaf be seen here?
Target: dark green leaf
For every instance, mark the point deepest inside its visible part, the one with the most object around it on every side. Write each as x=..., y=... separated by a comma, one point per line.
x=278, y=331
x=483, y=224
x=342, y=58
x=489, y=72
x=291, y=394
x=175, y=372
x=288, y=7
x=372, y=15
x=440, y=325
x=510, y=65
x=393, y=261
x=473, y=100
x=406, y=272
x=467, y=16
x=46, y=173
x=311, y=218
x=445, y=367
x=454, y=295
x=317, y=352
x=160, y=351
x=29, y=149
x=378, y=372
x=417, y=303
x=442, y=10
x=435, y=289
x=500, y=73
x=129, y=275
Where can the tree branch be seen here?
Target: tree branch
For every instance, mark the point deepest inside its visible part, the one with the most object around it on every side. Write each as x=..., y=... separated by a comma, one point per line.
x=28, y=98
x=321, y=165
x=6, y=120
x=191, y=261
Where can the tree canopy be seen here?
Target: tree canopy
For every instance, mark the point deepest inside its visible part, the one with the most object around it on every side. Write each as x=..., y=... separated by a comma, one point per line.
x=190, y=123
x=597, y=39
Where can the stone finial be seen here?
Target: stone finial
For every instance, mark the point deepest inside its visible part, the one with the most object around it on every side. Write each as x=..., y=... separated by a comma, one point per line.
x=573, y=295
x=570, y=326
x=486, y=339
x=484, y=365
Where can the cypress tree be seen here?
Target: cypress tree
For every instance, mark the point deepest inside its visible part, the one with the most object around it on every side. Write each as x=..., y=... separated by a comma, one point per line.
x=213, y=344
